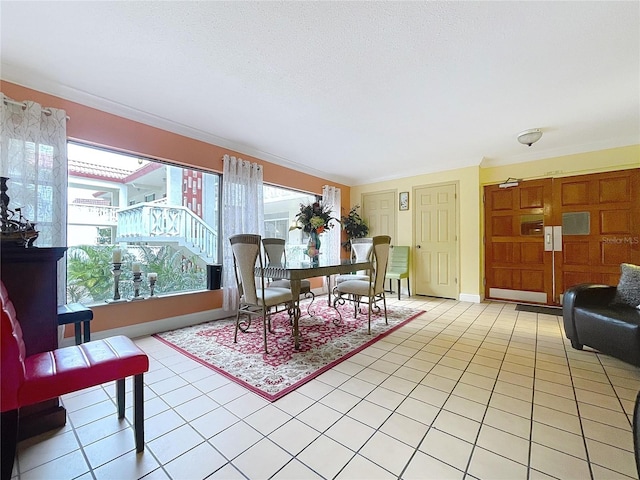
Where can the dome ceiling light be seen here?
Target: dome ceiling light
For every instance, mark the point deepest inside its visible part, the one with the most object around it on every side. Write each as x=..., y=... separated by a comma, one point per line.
x=529, y=137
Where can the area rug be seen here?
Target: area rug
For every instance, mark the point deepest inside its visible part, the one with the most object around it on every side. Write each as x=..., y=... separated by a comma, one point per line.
x=323, y=345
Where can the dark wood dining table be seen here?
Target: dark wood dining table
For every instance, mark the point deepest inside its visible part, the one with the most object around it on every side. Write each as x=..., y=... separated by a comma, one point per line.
x=297, y=271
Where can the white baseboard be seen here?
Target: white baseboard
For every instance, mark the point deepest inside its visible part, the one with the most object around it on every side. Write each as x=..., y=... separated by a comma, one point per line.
x=149, y=328
x=468, y=297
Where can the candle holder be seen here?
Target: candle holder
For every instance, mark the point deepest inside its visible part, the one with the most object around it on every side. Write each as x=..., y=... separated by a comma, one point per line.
x=117, y=271
x=152, y=285
x=137, y=281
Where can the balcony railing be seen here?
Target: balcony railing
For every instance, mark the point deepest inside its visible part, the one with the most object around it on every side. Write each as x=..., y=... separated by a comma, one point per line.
x=99, y=215
x=157, y=223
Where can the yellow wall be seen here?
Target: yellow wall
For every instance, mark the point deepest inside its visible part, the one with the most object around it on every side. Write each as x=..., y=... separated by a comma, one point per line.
x=568, y=165
x=471, y=181
x=468, y=187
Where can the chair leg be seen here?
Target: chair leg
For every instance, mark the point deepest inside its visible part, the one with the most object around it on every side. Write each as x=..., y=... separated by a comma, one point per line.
x=9, y=427
x=235, y=335
x=398, y=289
x=77, y=327
x=384, y=304
x=265, y=320
x=138, y=410
x=408, y=287
x=87, y=330
x=120, y=397
x=369, y=314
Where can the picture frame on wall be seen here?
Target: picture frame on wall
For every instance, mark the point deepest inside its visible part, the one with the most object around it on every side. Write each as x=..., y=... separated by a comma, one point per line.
x=404, y=201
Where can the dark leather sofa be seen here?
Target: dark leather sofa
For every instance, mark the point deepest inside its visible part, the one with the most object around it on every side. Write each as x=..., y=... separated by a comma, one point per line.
x=591, y=319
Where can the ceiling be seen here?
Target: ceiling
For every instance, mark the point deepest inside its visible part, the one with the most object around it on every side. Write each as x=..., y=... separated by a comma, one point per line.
x=355, y=92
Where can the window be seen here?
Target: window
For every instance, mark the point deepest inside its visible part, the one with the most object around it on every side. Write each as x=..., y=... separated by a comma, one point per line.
x=281, y=205
x=112, y=203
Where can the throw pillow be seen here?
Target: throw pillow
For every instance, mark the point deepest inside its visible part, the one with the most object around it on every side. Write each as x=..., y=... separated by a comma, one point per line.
x=628, y=289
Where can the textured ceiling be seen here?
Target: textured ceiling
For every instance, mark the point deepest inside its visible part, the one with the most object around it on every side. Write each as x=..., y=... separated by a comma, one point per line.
x=352, y=91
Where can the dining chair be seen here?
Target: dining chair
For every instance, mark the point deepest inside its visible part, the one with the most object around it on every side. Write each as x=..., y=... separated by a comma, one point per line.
x=398, y=268
x=276, y=256
x=255, y=299
x=361, y=249
x=371, y=289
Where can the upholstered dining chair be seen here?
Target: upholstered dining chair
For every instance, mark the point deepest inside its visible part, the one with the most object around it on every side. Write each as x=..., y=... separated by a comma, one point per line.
x=255, y=299
x=398, y=268
x=371, y=290
x=277, y=256
x=361, y=249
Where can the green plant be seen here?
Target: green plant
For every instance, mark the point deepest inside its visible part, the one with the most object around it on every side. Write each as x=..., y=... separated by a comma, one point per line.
x=354, y=226
x=90, y=280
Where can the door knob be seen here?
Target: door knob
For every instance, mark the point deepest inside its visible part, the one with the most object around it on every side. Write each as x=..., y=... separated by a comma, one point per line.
x=417, y=246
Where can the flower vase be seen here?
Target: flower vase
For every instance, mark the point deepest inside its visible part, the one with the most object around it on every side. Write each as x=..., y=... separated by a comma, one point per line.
x=313, y=248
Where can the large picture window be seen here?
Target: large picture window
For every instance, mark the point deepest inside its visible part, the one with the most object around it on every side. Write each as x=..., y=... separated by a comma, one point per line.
x=281, y=205
x=163, y=217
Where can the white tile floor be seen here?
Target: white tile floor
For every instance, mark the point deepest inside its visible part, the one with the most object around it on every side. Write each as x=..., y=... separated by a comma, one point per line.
x=473, y=391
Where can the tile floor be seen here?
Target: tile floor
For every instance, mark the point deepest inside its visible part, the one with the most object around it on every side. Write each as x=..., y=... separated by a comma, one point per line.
x=466, y=391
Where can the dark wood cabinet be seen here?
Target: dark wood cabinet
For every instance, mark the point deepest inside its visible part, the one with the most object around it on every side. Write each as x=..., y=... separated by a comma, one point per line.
x=31, y=278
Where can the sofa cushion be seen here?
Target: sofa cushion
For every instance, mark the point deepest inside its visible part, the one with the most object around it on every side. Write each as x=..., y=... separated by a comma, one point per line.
x=628, y=289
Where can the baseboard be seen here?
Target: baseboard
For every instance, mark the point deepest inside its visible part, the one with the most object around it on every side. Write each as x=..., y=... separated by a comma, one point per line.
x=468, y=297
x=157, y=326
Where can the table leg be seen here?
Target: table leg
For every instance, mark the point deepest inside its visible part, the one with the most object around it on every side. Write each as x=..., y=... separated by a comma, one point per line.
x=295, y=292
x=329, y=290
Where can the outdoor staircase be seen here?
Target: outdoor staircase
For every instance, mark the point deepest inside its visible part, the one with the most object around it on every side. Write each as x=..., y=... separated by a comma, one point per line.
x=158, y=224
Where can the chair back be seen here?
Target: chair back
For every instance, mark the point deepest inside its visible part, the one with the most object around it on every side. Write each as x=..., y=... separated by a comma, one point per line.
x=381, y=245
x=246, y=253
x=274, y=250
x=12, y=354
x=399, y=261
x=361, y=249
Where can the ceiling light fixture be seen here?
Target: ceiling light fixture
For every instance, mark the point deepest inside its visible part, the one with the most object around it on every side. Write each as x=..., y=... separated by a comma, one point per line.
x=529, y=137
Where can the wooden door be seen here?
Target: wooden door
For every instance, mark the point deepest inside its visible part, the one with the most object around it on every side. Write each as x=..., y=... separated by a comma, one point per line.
x=436, y=247
x=544, y=236
x=379, y=211
x=517, y=267
x=600, y=219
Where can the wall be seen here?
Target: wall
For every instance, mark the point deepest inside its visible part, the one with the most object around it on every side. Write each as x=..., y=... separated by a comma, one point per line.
x=468, y=182
x=568, y=165
x=95, y=127
x=471, y=181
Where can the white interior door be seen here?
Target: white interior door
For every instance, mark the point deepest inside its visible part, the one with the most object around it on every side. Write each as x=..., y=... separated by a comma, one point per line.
x=436, y=245
x=379, y=211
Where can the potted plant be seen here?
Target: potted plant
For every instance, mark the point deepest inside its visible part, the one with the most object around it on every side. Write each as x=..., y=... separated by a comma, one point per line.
x=355, y=227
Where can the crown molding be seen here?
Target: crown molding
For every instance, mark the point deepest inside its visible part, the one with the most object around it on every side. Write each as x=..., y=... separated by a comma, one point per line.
x=14, y=75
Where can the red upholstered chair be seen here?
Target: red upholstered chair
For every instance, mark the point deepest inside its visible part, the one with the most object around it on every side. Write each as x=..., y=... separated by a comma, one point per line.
x=26, y=380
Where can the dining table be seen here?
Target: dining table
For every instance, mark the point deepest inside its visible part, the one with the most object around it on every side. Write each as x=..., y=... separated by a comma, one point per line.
x=295, y=272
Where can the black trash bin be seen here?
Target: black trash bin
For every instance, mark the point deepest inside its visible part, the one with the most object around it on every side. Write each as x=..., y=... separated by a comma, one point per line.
x=214, y=277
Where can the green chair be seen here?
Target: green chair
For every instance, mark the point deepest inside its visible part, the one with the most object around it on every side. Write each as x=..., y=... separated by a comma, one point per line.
x=398, y=268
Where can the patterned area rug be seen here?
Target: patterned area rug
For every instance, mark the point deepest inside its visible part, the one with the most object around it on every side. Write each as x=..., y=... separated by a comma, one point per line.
x=323, y=345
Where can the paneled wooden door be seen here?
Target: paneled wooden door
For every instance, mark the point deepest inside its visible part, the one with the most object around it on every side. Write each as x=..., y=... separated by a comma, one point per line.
x=544, y=236
x=379, y=211
x=600, y=219
x=517, y=267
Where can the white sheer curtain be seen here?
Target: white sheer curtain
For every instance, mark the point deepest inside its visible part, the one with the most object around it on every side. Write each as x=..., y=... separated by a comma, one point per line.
x=33, y=155
x=242, y=212
x=331, y=243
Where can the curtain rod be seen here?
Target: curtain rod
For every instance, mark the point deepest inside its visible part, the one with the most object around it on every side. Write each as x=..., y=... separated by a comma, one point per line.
x=46, y=111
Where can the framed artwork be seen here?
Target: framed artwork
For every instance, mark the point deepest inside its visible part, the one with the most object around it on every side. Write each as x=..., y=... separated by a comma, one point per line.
x=404, y=200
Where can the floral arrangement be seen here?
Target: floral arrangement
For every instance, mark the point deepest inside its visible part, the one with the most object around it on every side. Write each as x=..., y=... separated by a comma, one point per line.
x=354, y=226
x=314, y=218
